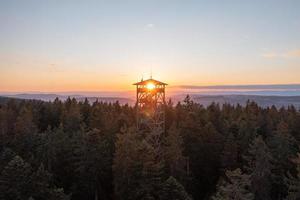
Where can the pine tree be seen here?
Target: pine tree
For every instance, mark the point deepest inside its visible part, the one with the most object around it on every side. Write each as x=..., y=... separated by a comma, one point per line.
x=93, y=160
x=56, y=113
x=24, y=124
x=283, y=147
x=259, y=167
x=237, y=187
x=23, y=132
x=59, y=156
x=172, y=189
x=293, y=183
x=4, y=118
x=127, y=165
x=71, y=116
x=174, y=160
x=42, y=188
x=96, y=119
x=152, y=171
x=6, y=155
x=85, y=110
x=229, y=154
x=15, y=180
x=137, y=167
x=40, y=182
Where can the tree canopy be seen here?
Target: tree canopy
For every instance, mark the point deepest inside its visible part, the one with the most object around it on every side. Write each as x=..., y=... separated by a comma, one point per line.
x=81, y=150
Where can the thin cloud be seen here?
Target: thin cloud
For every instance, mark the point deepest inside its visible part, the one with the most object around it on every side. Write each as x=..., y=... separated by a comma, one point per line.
x=288, y=54
x=149, y=26
x=292, y=54
x=270, y=55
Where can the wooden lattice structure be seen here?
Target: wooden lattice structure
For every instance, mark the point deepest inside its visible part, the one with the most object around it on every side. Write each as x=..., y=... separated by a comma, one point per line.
x=150, y=103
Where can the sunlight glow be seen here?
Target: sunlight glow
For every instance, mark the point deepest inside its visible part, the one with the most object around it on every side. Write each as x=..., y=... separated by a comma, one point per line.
x=150, y=86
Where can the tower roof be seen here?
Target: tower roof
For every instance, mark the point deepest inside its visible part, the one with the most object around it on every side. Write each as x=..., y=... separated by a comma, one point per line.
x=145, y=82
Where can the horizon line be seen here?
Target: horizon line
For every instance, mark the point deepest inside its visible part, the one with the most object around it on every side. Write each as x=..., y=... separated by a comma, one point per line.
x=227, y=86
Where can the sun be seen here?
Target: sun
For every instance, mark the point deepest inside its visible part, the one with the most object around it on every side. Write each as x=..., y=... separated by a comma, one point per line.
x=150, y=86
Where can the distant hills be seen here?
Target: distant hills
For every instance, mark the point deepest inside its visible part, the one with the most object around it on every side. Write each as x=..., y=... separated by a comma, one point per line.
x=52, y=97
x=263, y=101
x=205, y=100
x=261, y=90
x=245, y=87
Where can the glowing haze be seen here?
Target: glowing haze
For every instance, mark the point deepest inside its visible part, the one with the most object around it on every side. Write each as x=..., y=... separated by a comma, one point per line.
x=107, y=45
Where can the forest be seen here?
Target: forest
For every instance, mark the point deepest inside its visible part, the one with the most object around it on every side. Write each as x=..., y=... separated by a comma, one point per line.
x=70, y=150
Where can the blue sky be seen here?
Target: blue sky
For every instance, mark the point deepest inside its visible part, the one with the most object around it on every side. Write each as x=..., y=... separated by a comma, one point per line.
x=96, y=45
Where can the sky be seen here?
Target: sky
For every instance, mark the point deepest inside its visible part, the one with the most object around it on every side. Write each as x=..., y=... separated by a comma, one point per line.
x=77, y=45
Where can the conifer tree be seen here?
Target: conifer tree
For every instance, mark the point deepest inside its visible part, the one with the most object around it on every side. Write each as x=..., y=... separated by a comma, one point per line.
x=85, y=110
x=71, y=116
x=259, y=167
x=283, y=147
x=15, y=180
x=236, y=187
x=24, y=124
x=127, y=164
x=172, y=189
x=173, y=157
x=230, y=153
x=59, y=156
x=43, y=189
x=138, y=171
x=6, y=155
x=93, y=160
x=56, y=113
x=152, y=171
x=293, y=182
x=96, y=119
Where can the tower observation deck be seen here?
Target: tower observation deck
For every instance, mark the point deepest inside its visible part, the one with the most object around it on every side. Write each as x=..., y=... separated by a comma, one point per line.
x=150, y=104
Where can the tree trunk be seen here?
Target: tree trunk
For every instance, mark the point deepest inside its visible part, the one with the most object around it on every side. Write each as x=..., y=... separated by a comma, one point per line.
x=96, y=194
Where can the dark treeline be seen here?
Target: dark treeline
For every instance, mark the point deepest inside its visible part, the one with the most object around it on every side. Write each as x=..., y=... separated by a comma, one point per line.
x=77, y=150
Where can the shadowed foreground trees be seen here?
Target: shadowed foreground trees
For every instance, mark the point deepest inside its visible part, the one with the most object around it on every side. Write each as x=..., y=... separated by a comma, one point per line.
x=293, y=182
x=77, y=150
x=140, y=174
x=237, y=187
x=259, y=167
x=19, y=181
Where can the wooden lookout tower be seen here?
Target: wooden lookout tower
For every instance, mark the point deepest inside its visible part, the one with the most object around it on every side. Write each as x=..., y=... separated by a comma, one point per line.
x=150, y=102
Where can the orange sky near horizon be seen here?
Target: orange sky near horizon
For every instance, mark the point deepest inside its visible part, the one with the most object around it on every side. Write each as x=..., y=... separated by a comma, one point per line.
x=19, y=80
